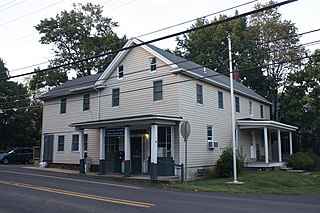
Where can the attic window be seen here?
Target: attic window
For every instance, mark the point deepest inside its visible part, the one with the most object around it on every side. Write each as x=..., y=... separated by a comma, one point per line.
x=120, y=72
x=153, y=64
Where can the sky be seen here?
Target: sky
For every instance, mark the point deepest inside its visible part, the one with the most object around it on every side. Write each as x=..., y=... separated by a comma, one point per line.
x=21, y=50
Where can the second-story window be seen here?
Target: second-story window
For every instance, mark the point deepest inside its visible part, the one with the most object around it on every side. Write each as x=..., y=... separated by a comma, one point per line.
x=261, y=111
x=63, y=105
x=120, y=72
x=153, y=64
x=220, y=100
x=250, y=108
x=86, y=102
x=157, y=90
x=115, y=97
x=199, y=94
x=237, y=104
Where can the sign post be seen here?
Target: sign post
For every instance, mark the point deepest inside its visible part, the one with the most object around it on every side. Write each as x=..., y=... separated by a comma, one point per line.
x=185, y=132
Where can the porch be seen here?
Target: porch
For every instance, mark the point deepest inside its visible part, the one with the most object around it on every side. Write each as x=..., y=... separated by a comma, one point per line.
x=262, y=143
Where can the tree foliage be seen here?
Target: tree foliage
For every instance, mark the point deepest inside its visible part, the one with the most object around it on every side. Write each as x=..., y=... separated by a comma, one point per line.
x=265, y=49
x=76, y=35
x=19, y=125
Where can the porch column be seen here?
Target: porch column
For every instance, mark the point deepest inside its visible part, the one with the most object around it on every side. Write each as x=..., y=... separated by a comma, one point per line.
x=154, y=152
x=279, y=146
x=81, y=151
x=266, y=150
x=290, y=143
x=172, y=142
x=127, y=152
x=102, y=157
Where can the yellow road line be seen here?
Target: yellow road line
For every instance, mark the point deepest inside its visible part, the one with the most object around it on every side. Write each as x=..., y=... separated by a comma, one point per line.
x=78, y=194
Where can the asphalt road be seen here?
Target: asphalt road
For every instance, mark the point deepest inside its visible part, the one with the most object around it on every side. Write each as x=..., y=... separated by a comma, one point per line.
x=31, y=191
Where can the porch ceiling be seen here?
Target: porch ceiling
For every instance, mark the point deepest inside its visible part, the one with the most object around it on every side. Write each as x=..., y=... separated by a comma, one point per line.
x=127, y=121
x=260, y=124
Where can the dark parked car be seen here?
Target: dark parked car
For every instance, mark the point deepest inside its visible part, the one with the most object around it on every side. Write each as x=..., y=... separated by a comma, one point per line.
x=18, y=155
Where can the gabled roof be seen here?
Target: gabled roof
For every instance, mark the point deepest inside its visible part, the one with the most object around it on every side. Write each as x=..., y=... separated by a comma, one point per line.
x=177, y=64
x=71, y=86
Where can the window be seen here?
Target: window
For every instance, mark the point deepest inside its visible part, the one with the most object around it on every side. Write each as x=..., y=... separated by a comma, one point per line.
x=164, y=141
x=237, y=104
x=199, y=94
x=220, y=100
x=210, y=137
x=61, y=143
x=75, y=142
x=120, y=72
x=63, y=105
x=86, y=102
x=261, y=111
x=115, y=97
x=157, y=90
x=153, y=64
x=250, y=108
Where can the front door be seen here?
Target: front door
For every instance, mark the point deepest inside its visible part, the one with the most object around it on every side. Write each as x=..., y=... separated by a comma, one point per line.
x=136, y=164
x=48, y=148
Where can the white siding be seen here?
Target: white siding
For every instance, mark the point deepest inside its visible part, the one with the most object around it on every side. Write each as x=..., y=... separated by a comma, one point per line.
x=136, y=92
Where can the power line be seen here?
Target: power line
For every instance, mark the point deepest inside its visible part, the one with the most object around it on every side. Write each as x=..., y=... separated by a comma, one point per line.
x=21, y=17
x=12, y=5
x=161, y=38
x=234, y=7
x=185, y=60
x=167, y=84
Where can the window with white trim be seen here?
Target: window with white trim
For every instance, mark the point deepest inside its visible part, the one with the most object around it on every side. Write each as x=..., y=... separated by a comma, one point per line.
x=157, y=90
x=61, y=143
x=210, y=137
x=153, y=64
x=63, y=105
x=261, y=111
x=220, y=100
x=250, y=108
x=115, y=97
x=120, y=72
x=199, y=94
x=238, y=104
x=86, y=102
x=75, y=142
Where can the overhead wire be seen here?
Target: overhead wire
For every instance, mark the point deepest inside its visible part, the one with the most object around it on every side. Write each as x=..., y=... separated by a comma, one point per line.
x=109, y=45
x=160, y=38
x=12, y=5
x=167, y=84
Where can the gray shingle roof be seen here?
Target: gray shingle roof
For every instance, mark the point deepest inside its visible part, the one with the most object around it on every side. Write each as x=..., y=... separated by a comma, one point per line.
x=215, y=77
x=70, y=86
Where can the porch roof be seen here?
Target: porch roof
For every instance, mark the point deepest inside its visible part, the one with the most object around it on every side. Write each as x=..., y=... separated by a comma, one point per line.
x=260, y=124
x=128, y=120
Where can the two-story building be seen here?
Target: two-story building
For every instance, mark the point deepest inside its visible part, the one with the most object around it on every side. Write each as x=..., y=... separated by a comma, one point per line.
x=128, y=118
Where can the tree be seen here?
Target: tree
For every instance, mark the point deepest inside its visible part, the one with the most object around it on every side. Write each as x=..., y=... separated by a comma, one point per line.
x=209, y=47
x=77, y=35
x=276, y=49
x=300, y=103
x=18, y=124
x=265, y=49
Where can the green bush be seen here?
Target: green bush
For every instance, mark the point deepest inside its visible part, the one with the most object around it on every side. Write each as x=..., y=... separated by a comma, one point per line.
x=305, y=161
x=224, y=166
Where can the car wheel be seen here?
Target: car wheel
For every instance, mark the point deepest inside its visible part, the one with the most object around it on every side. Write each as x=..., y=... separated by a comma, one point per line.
x=5, y=161
x=30, y=161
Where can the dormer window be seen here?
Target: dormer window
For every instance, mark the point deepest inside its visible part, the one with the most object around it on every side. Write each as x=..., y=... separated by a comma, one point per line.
x=153, y=64
x=120, y=72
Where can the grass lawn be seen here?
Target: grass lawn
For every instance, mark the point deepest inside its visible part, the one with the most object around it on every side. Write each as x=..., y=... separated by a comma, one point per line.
x=259, y=182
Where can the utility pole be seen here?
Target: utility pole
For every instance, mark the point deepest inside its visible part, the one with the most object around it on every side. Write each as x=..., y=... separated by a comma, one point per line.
x=233, y=122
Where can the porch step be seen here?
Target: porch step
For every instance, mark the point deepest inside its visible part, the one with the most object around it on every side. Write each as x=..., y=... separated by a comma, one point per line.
x=285, y=168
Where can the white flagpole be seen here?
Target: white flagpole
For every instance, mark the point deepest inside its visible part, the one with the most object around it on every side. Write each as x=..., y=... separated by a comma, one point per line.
x=233, y=124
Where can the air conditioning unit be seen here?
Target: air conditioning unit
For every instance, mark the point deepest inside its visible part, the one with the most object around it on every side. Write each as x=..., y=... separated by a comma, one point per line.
x=216, y=144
